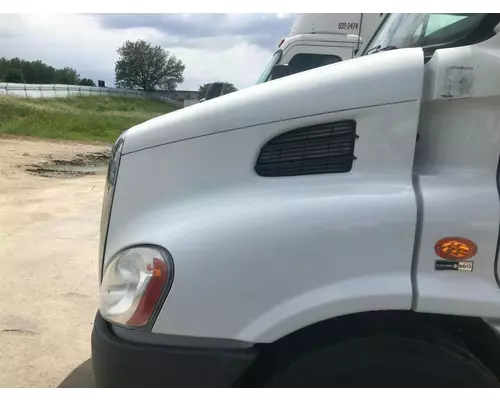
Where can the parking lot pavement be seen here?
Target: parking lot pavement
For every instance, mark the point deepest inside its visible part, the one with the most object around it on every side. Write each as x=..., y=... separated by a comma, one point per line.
x=49, y=231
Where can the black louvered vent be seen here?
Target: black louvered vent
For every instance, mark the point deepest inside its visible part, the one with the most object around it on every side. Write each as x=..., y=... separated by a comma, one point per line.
x=319, y=149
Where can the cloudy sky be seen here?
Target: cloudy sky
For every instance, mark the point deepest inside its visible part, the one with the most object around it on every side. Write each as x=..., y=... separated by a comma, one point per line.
x=230, y=47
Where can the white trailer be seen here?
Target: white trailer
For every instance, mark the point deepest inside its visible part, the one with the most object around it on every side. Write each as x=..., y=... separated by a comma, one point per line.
x=316, y=40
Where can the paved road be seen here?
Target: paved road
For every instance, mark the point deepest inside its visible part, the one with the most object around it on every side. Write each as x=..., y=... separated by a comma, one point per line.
x=48, y=252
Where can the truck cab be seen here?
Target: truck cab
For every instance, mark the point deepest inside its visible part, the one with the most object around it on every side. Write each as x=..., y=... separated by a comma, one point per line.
x=316, y=40
x=336, y=227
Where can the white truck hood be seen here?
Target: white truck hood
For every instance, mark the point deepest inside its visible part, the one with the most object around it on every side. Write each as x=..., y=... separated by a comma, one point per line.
x=361, y=82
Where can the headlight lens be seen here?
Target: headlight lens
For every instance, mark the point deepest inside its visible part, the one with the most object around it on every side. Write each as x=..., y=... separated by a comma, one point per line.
x=132, y=285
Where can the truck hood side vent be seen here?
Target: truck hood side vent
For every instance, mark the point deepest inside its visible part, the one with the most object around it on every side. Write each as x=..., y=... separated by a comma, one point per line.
x=318, y=149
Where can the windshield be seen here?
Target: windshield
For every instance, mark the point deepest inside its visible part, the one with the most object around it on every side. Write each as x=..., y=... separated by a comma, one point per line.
x=272, y=62
x=422, y=30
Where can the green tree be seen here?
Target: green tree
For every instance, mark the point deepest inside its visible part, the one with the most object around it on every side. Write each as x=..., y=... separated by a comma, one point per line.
x=147, y=67
x=29, y=72
x=36, y=72
x=228, y=88
x=67, y=76
x=4, y=66
x=86, y=82
x=15, y=75
x=39, y=72
x=16, y=63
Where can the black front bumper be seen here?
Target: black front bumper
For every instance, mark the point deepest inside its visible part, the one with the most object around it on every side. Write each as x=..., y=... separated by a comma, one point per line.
x=119, y=363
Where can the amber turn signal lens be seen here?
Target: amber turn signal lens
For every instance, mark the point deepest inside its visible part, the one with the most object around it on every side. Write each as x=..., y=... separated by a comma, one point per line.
x=455, y=248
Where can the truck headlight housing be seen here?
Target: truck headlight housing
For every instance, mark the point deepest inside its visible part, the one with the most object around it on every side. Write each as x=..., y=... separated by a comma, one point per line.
x=133, y=284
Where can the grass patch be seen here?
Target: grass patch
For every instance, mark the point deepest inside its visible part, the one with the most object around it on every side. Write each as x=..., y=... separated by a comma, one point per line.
x=81, y=118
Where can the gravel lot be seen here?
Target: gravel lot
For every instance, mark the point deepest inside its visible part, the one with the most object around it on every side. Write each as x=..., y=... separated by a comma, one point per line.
x=49, y=228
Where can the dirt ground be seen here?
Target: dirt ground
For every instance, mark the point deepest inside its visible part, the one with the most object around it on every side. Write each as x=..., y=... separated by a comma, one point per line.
x=49, y=228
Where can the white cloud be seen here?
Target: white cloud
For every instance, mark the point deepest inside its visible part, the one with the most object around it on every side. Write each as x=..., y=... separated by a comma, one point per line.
x=240, y=64
x=11, y=25
x=80, y=42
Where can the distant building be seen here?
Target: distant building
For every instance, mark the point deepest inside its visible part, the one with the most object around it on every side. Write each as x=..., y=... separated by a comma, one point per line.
x=179, y=95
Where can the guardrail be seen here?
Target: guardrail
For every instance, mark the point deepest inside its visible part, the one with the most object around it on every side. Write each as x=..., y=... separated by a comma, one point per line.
x=49, y=91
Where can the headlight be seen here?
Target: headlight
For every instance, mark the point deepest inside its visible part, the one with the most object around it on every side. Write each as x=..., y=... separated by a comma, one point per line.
x=114, y=162
x=133, y=284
